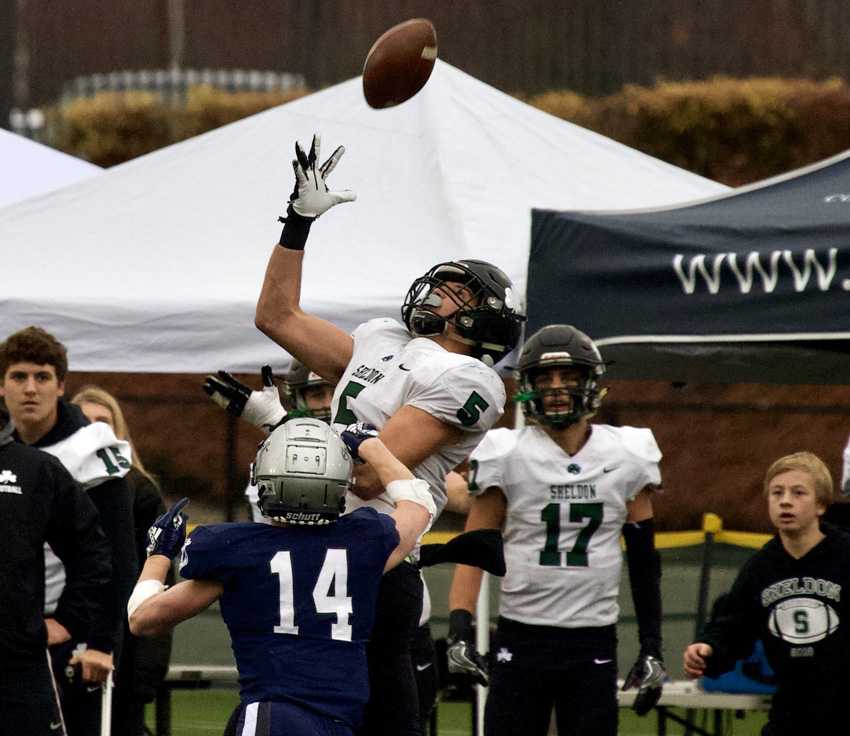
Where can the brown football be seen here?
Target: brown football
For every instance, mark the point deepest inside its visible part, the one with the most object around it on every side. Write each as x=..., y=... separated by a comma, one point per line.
x=399, y=63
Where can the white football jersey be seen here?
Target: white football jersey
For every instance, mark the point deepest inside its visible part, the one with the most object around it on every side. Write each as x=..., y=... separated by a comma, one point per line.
x=564, y=518
x=845, y=471
x=389, y=369
x=92, y=455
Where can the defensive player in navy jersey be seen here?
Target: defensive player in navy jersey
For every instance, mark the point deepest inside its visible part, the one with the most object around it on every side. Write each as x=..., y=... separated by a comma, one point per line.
x=298, y=595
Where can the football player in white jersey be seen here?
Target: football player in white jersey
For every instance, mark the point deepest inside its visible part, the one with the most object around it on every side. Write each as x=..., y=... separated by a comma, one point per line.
x=33, y=366
x=427, y=384
x=563, y=490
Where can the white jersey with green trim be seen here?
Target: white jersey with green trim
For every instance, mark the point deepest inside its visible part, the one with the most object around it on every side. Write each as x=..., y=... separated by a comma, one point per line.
x=389, y=369
x=92, y=455
x=564, y=518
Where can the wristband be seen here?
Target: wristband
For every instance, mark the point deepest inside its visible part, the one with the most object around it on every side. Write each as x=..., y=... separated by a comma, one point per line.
x=460, y=625
x=415, y=490
x=143, y=590
x=296, y=228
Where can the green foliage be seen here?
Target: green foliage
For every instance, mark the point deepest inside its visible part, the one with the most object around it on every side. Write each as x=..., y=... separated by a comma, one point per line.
x=112, y=127
x=731, y=130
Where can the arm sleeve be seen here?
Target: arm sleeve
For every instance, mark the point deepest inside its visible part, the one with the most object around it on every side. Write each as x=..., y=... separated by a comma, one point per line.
x=645, y=577
x=75, y=535
x=470, y=397
x=845, y=471
x=113, y=503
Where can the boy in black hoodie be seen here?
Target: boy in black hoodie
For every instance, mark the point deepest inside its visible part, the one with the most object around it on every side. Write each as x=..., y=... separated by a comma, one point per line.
x=790, y=594
x=33, y=366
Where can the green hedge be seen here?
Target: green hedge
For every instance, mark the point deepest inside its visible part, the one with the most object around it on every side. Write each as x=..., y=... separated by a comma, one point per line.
x=112, y=127
x=731, y=130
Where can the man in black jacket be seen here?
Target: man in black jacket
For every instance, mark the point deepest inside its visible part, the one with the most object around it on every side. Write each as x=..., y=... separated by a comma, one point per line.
x=40, y=502
x=33, y=366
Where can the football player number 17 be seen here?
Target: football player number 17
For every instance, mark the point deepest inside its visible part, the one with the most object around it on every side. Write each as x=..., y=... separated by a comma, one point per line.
x=550, y=555
x=332, y=577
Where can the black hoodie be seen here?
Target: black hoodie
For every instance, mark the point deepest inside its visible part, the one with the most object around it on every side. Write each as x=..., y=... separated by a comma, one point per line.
x=40, y=502
x=799, y=609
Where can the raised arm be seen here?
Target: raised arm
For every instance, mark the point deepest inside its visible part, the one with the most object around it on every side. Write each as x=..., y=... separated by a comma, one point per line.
x=415, y=508
x=314, y=341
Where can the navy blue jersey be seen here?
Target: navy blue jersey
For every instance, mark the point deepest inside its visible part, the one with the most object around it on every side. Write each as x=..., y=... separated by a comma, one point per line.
x=299, y=603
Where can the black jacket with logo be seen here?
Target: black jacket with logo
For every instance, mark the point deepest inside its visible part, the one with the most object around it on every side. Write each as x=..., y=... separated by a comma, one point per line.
x=40, y=502
x=113, y=502
x=799, y=609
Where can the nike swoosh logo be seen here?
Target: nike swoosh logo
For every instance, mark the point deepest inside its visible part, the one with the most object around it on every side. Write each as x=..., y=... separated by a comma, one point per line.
x=602, y=661
x=422, y=667
x=92, y=689
x=55, y=726
x=610, y=468
x=401, y=365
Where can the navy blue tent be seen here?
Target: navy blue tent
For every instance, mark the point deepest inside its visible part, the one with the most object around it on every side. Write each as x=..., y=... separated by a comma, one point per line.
x=749, y=286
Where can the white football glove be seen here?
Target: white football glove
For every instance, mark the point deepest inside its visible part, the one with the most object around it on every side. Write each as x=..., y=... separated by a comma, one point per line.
x=311, y=196
x=260, y=408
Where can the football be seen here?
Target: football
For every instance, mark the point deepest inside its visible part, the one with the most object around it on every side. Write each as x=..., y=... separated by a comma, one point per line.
x=803, y=620
x=399, y=63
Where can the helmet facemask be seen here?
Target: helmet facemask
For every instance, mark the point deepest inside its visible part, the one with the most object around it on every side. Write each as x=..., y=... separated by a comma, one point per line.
x=585, y=394
x=486, y=319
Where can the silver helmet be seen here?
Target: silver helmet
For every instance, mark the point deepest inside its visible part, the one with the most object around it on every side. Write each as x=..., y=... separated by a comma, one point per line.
x=301, y=473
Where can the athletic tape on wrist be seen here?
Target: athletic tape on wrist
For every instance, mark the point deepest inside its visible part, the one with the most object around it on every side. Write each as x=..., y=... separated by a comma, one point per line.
x=143, y=590
x=415, y=490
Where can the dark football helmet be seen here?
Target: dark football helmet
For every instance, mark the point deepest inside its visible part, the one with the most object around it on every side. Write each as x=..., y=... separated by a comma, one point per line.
x=298, y=378
x=301, y=473
x=491, y=322
x=561, y=346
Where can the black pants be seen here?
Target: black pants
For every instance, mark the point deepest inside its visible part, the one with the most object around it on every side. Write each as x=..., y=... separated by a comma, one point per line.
x=425, y=670
x=536, y=668
x=80, y=700
x=28, y=699
x=393, y=707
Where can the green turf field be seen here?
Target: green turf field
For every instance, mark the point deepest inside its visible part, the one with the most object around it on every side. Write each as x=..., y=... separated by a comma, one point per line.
x=205, y=712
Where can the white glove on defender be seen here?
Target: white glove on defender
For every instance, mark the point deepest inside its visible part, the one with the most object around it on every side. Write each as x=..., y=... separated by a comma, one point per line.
x=311, y=197
x=260, y=408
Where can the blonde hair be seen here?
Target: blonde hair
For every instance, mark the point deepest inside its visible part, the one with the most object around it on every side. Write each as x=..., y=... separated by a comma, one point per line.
x=806, y=462
x=96, y=395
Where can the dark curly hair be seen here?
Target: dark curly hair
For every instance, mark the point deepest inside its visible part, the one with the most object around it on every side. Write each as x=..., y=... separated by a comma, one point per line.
x=34, y=345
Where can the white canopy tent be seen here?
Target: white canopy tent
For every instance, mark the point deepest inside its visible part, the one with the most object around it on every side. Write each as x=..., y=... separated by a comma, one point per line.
x=28, y=169
x=155, y=265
